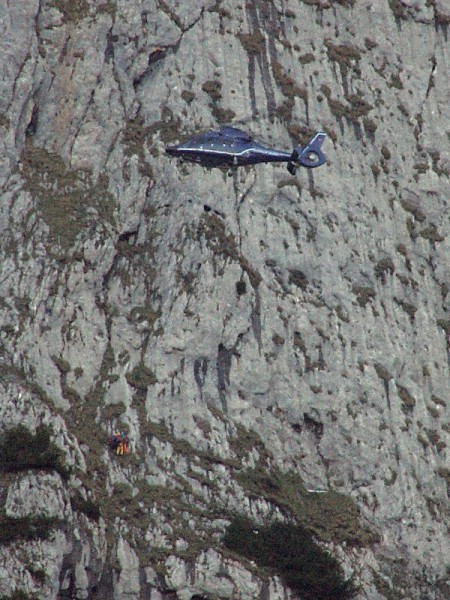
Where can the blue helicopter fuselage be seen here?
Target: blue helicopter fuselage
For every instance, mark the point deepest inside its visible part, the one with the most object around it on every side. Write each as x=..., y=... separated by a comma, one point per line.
x=228, y=147
x=232, y=147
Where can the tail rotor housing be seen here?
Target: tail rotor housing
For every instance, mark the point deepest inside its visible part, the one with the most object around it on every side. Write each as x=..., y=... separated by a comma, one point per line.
x=311, y=156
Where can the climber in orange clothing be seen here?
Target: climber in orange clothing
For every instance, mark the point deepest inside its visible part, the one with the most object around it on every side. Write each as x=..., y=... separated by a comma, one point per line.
x=125, y=442
x=119, y=442
x=114, y=440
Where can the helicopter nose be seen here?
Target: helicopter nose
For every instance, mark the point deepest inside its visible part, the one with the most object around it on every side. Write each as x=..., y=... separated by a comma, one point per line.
x=172, y=150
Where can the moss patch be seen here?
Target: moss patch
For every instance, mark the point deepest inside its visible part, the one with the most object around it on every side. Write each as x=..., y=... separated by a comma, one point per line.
x=398, y=9
x=253, y=43
x=134, y=138
x=408, y=401
x=289, y=89
x=20, y=594
x=431, y=233
x=245, y=441
x=212, y=229
x=383, y=267
x=187, y=96
x=68, y=201
x=213, y=89
x=73, y=12
x=141, y=377
x=344, y=54
x=363, y=293
x=168, y=129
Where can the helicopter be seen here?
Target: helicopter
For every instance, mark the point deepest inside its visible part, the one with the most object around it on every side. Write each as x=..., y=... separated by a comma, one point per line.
x=232, y=147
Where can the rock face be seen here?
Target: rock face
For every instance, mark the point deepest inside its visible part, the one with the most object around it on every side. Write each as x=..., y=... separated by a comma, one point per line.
x=275, y=346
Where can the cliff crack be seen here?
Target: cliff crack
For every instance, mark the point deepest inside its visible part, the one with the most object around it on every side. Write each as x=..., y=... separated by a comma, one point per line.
x=223, y=364
x=431, y=78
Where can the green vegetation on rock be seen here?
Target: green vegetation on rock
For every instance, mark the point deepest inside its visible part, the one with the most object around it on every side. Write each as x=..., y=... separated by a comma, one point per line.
x=331, y=516
x=19, y=595
x=67, y=200
x=141, y=377
x=21, y=450
x=290, y=552
x=87, y=506
x=224, y=244
x=25, y=528
x=72, y=11
x=253, y=43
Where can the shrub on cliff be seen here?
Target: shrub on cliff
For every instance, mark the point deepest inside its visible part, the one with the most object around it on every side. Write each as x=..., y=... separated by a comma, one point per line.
x=20, y=450
x=87, y=506
x=18, y=595
x=290, y=552
x=25, y=528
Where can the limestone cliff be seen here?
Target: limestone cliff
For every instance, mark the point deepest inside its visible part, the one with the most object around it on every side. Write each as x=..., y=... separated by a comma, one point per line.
x=276, y=347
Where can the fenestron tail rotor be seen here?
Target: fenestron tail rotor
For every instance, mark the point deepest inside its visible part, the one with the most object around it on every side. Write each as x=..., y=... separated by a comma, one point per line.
x=311, y=156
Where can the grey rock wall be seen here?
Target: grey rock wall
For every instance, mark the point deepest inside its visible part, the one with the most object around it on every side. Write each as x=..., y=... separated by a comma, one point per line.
x=275, y=346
